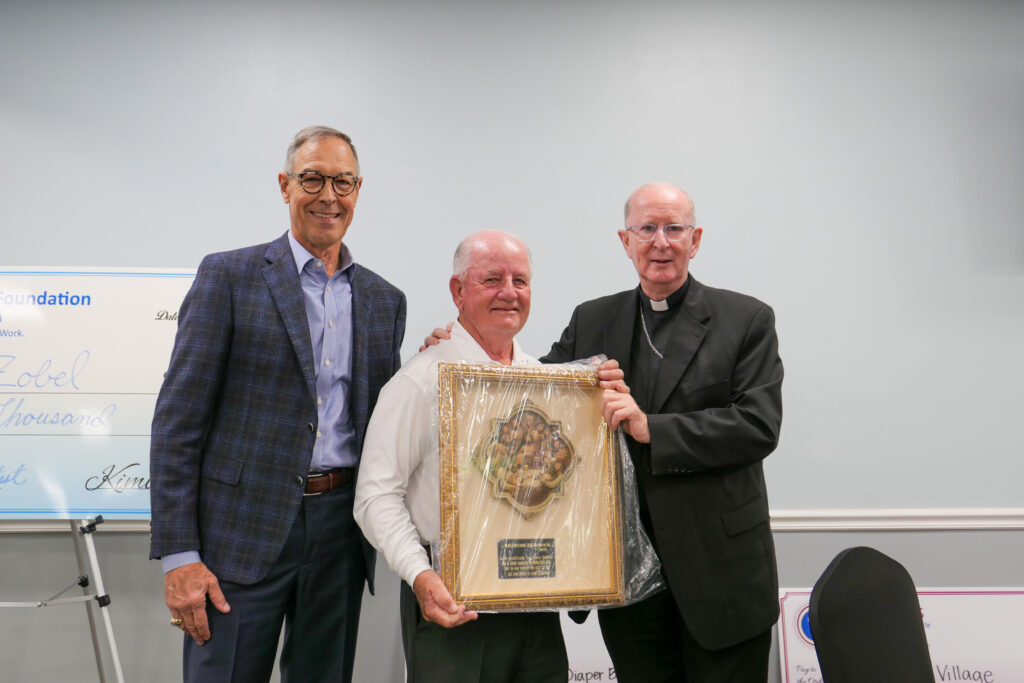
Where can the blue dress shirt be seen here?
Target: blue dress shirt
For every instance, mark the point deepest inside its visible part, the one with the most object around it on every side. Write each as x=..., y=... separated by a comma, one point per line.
x=329, y=311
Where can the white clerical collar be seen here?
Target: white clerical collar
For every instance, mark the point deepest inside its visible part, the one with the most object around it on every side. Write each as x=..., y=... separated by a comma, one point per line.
x=659, y=305
x=670, y=301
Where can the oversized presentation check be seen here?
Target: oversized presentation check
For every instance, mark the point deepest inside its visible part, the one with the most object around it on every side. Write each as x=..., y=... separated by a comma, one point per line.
x=82, y=355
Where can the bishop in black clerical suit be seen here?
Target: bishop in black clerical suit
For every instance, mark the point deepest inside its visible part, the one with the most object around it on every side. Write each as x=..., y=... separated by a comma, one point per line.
x=703, y=411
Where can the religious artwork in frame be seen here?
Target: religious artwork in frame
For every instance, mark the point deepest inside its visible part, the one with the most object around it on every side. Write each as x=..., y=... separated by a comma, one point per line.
x=531, y=488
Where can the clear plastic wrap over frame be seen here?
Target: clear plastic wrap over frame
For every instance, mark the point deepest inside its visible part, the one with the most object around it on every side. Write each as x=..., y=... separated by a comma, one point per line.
x=538, y=496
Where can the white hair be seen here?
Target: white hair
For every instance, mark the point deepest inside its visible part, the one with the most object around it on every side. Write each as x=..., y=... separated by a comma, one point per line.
x=464, y=252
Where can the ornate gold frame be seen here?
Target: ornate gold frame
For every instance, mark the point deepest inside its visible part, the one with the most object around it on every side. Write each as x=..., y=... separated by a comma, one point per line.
x=564, y=553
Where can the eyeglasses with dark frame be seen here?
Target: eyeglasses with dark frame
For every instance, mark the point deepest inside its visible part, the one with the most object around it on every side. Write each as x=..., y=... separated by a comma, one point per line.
x=674, y=232
x=312, y=182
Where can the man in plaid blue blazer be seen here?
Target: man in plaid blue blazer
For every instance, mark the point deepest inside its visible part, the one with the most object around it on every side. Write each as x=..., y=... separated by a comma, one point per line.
x=281, y=351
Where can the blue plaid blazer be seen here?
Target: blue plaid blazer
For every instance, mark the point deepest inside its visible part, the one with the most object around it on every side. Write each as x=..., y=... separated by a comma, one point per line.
x=236, y=417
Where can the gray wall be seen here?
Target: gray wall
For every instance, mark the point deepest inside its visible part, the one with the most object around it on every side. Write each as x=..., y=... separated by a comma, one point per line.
x=856, y=165
x=53, y=643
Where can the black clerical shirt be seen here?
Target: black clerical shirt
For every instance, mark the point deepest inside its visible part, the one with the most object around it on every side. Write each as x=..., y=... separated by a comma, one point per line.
x=644, y=366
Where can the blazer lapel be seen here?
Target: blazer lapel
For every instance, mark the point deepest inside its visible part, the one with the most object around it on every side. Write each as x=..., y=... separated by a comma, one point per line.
x=283, y=282
x=687, y=335
x=361, y=322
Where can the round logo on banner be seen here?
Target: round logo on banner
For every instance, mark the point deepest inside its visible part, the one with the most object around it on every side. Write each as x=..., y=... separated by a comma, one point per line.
x=803, y=625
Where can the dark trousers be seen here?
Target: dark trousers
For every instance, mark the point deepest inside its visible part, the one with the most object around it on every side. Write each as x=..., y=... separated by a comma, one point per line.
x=314, y=589
x=649, y=643
x=511, y=647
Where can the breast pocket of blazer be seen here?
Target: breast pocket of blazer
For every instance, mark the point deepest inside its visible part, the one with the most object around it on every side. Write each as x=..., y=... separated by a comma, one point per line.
x=224, y=470
x=712, y=395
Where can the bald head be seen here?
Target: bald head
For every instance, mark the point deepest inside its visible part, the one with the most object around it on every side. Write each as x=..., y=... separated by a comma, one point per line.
x=664, y=194
x=482, y=243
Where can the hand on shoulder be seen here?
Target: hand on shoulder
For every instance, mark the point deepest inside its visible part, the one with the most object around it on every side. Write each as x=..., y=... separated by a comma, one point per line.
x=435, y=337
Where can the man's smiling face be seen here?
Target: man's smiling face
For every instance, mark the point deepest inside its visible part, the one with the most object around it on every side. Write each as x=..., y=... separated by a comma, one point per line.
x=493, y=297
x=320, y=220
x=661, y=264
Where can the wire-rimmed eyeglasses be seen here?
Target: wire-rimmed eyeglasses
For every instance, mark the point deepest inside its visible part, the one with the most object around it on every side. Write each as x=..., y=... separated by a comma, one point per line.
x=674, y=232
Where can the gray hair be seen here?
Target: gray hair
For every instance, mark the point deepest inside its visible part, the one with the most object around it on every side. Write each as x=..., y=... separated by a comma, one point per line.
x=463, y=252
x=315, y=133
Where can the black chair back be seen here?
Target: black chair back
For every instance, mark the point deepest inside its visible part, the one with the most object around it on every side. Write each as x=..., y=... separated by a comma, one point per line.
x=866, y=621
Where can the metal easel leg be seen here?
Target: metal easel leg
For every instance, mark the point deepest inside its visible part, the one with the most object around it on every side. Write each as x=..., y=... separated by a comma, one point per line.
x=88, y=566
x=83, y=571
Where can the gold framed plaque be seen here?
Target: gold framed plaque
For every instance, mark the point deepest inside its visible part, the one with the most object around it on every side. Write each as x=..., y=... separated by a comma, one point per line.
x=531, y=488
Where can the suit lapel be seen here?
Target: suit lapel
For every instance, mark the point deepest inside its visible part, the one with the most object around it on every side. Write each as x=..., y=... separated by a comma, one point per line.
x=361, y=322
x=618, y=333
x=283, y=282
x=687, y=335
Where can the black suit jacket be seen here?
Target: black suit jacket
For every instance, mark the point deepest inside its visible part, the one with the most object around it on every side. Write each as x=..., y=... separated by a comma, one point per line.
x=715, y=414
